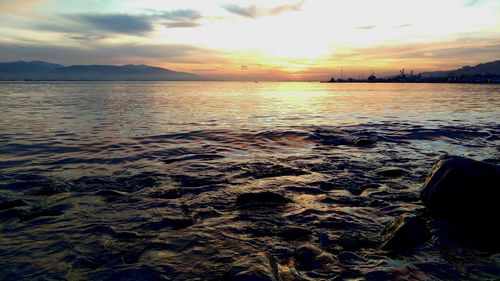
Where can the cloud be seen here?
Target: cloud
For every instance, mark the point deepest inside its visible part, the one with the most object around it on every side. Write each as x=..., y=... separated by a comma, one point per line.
x=117, y=23
x=244, y=67
x=128, y=24
x=403, y=25
x=181, y=24
x=254, y=11
x=179, y=18
x=180, y=15
x=472, y=3
x=86, y=37
x=250, y=11
x=97, y=52
x=286, y=8
x=366, y=27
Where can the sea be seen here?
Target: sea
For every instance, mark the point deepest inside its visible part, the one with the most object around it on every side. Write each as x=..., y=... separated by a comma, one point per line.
x=140, y=180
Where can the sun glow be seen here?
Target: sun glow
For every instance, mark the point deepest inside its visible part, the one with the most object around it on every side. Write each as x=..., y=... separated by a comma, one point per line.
x=248, y=39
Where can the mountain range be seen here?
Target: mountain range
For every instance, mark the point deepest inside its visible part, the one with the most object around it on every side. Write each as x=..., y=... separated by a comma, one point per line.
x=488, y=68
x=44, y=71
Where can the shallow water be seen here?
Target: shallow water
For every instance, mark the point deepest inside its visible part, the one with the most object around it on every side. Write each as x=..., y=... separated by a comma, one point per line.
x=139, y=180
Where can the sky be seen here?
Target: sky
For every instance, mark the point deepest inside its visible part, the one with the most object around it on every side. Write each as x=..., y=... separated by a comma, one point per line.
x=255, y=40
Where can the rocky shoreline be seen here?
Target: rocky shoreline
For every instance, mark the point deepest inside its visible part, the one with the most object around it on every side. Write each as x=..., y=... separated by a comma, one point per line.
x=459, y=196
x=461, y=193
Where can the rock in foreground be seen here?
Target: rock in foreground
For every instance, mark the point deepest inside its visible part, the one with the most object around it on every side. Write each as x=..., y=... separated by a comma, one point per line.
x=462, y=190
x=310, y=257
x=259, y=267
x=404, y=233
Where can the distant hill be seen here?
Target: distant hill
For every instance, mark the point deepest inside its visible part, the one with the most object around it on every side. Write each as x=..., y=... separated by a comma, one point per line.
x=482, y=68
x=53, y=72
x=21, y=70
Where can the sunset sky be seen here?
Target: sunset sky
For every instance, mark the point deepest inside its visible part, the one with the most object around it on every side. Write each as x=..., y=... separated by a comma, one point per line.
x=255, y=40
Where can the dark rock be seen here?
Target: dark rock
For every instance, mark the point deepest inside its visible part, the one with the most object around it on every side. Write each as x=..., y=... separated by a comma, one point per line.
x=307, y=253
x=325, y=240
x=463, y=190
x=294, y=233
x=12, y=204
x=364, y=141
x=310, y=257
x=354, y=241
x=359, y=190
x=265, y=198
x=259, y=267
x=350, y=257
x=390, y=172
x=404, y=232
x=327, y=186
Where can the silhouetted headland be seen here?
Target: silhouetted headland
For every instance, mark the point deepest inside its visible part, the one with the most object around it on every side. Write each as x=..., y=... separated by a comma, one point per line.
x=44, y=71
x=485, y=73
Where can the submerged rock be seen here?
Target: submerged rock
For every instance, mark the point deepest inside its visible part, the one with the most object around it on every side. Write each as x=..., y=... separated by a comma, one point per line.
x=306, y=253
x=310, y=257
x=259, y=267
x=463, y=190
x=390, y=172
x=265, y=198
x=364, y=141
x=294, y=233
x=358, y=190
x=355, y=240
x=347, y=257
x=404, y=232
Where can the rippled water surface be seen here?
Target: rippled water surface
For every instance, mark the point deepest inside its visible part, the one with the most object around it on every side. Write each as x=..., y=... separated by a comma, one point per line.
x=139, y=180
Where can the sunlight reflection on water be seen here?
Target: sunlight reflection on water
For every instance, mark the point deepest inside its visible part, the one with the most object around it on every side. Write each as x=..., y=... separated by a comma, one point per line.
x=141, y=178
